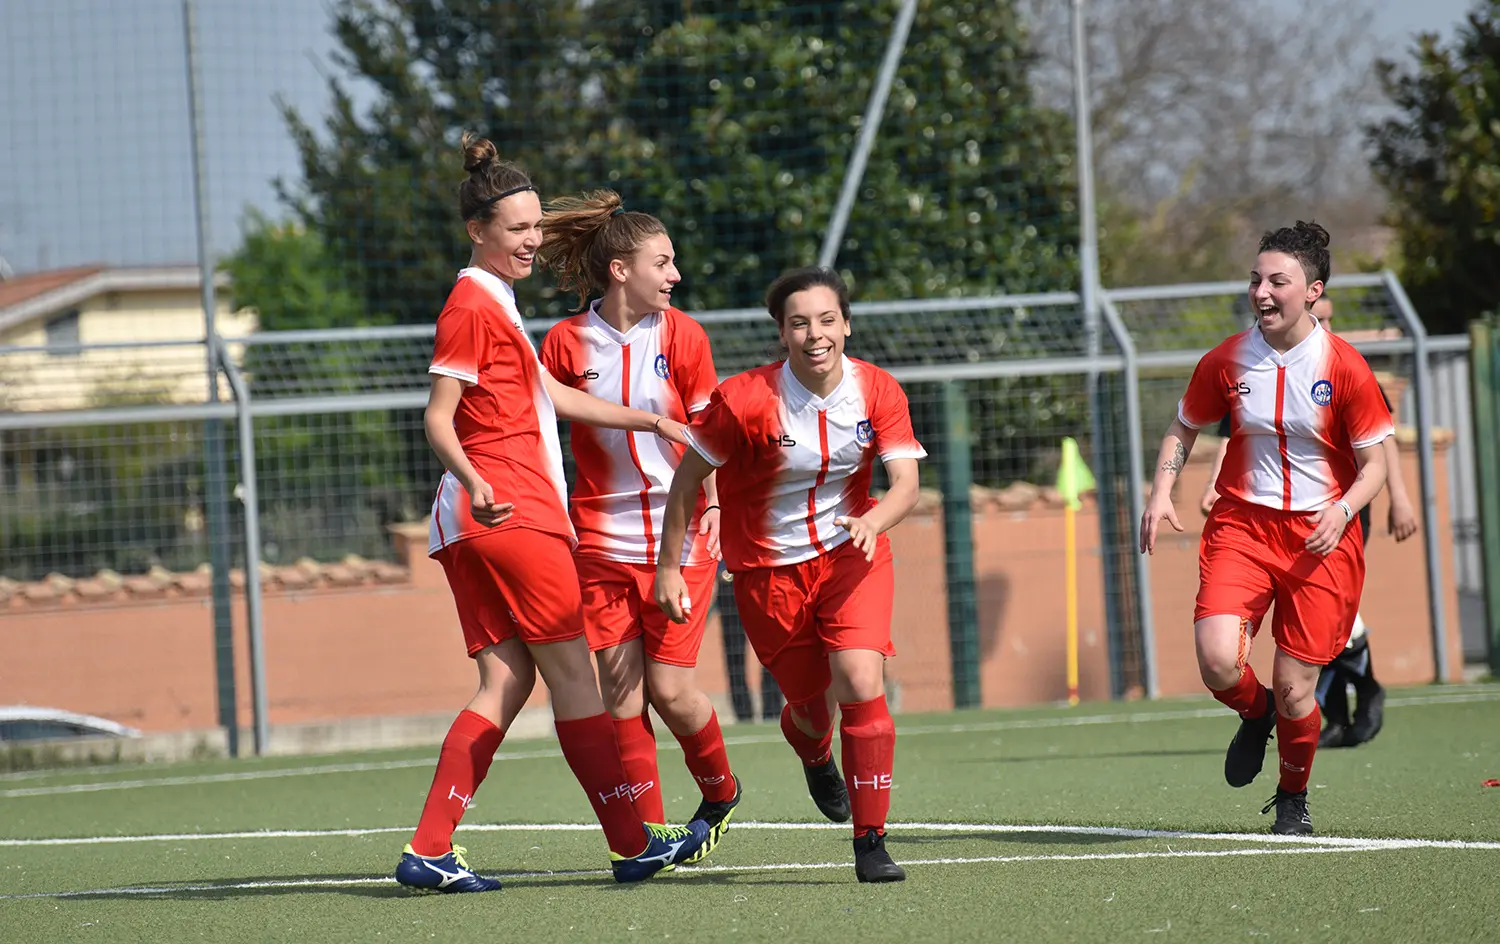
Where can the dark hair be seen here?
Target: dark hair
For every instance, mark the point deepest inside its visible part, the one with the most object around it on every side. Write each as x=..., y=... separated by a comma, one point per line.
x=584, y=234
x=490, y=179
x=1305, y=242
x=800, y=280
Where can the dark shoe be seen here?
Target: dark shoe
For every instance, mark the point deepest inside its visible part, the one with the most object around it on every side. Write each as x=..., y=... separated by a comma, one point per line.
x=1335, y=735
x=1247, y=752
x=826, y=787
x=1292, y=818
x=716, y=815
x=872, y=863
x=447, y=873
x=1369, y=717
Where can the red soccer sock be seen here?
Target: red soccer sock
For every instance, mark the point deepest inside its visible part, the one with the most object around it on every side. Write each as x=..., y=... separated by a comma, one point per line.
x=868, y=736
x=588, y=745
x=462, y=764
x=1297, y=742
x=638, y=756
x=812, y=750
x=708, y=762
x=1247, y=696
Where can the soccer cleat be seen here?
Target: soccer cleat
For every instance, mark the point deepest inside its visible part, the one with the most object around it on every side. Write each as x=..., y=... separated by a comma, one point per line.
x=1292, y=818
x=717, y=816
x=1369, y=716
x=827, y=788
x=1247, y=752
x=669, y=846
x=872, y=863
x=1335, y=735
x=446, y=873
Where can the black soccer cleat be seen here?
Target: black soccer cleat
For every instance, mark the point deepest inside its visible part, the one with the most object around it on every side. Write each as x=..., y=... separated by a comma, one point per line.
x=1247, y=752
x=717, y=816
x=1335, y=735
x=872, y=863
x=826, y=787
x=1369, y=716
x=1292, y=818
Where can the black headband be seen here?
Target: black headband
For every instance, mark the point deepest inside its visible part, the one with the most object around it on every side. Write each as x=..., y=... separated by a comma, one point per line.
x=501, y=196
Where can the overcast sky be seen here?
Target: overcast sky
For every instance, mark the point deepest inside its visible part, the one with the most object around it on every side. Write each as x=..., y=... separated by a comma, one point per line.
x=94, y=146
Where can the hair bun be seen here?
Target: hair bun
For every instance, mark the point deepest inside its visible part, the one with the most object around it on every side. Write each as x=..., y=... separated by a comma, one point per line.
x=1316, y=232
x=478, y=152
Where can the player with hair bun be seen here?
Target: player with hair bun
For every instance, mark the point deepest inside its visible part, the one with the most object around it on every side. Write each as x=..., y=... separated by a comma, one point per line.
x=794, y=444
x=1307, y=421
x=630, y=346
x=501, y=532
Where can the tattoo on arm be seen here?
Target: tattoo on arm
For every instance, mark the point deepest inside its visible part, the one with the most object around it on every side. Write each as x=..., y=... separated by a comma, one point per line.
x=1179, y=457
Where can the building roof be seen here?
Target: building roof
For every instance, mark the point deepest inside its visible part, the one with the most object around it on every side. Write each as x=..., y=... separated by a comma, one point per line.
x=39, y=294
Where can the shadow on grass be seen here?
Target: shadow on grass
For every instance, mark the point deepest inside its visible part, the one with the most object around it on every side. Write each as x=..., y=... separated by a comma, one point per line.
x=1091, y=755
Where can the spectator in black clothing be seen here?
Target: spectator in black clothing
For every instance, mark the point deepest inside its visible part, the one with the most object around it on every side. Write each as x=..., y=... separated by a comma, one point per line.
x=1354, y=666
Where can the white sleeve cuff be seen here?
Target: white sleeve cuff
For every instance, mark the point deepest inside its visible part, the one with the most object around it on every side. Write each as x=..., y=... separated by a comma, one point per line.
x=698, y=448
x=465, y=376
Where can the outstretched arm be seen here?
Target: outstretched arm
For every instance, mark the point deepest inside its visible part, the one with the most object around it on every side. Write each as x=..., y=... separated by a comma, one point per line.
x=1176, y=445
x=671, y=590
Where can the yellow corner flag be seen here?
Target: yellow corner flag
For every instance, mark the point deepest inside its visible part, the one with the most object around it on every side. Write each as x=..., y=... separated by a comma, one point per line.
x=1073, y=476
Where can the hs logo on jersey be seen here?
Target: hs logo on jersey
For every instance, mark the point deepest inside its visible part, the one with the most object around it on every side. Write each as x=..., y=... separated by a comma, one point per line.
x=1237, y=389
x=877, y=782
x=661, y=367
x=785, y=440
x=590, y=374
x=1322, y=393
x=864, y=432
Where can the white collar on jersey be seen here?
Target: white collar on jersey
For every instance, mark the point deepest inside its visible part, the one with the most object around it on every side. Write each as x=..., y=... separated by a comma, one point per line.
x=802, y=396
x=1307, y=347
x=492, y=283
x=596, y=320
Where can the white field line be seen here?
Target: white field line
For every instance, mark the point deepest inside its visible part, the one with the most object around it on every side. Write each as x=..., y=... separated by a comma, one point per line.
x=293, y=884
x=903, y=731
x=1353, y=842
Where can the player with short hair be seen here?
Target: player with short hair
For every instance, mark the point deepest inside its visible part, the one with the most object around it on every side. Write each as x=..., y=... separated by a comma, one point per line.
x=794, y=444
x=1355, y=665
x=630, y=346
x=501, y=532
x=1307, y=423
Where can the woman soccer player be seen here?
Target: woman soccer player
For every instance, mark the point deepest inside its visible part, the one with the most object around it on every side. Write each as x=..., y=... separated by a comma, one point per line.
x=500, y=530
x=1307, y=423
x=1355, y=665
x=630, y=346
x=794, y=444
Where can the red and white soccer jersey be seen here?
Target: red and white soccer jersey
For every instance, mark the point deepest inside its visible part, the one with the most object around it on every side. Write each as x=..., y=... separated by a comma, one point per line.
x=505, y=420
x=791, y=462
x=661, y=365
x=1295, y=418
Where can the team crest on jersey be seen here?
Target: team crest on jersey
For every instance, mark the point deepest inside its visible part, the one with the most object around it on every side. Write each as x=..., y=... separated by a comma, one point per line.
x=864, y=432
x=1322, y=393
x=661, y=367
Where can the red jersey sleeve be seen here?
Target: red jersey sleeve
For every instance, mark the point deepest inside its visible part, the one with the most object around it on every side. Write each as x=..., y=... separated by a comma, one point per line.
x=556, y=355
x=891, y=419
x=1207, y=398
x=1367, y=421
x=461, y=346
x=692, y=365
x=717, y=432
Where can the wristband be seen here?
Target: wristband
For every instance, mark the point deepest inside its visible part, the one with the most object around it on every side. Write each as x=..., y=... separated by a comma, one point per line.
x=657, y=425
x=710, y=508
x=1348, y=512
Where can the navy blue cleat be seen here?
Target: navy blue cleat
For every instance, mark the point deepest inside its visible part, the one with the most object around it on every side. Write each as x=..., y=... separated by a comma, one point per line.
x=669, y=847
x=447, y=873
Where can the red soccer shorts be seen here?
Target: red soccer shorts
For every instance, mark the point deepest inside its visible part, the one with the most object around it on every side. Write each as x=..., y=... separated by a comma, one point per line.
x=619, y=604
x=795, y=614
x=1252, y=556
x=514, y=582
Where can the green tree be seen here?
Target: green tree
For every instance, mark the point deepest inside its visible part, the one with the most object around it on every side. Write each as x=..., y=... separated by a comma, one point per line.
x=285, y=273
x=1438, y=159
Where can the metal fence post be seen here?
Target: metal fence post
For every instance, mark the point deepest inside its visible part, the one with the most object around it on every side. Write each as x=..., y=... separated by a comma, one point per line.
x=216, y=484
x=958, y=547
x=250, y=495
x=1484, y=382
x=868, y=129
x=1422, y=382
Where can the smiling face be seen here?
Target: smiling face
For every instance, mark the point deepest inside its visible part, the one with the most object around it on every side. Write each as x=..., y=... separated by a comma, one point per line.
x=507, y=244
x=1280, y=295
x=813, y=328
x=649, y=275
